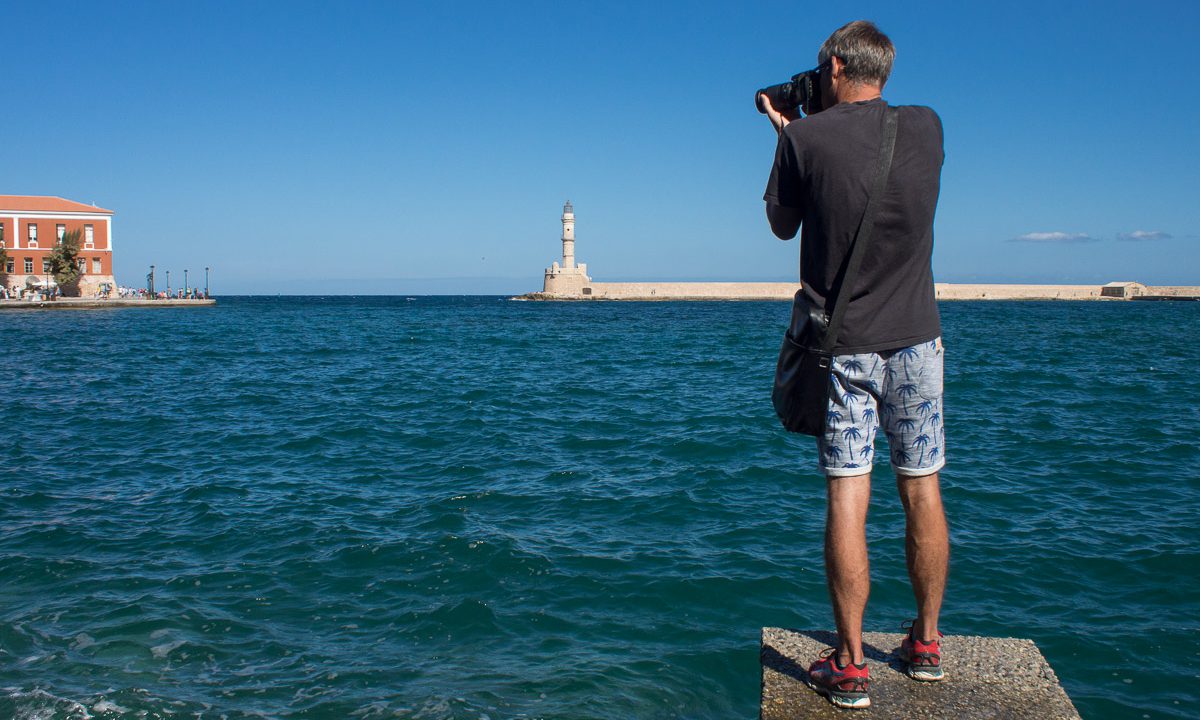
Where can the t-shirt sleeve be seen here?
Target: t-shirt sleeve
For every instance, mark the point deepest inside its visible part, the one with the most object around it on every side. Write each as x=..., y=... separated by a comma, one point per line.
x=783, y=187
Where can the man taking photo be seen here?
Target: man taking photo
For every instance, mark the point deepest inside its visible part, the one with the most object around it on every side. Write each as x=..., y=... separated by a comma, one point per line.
x=887, y=365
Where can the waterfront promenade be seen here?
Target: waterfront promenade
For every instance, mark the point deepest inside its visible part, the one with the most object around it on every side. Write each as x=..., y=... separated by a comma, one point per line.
x=94, y=303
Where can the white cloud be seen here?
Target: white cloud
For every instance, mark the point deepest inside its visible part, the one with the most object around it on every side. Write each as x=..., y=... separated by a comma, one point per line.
x=1144, y=235
x=1054, y=237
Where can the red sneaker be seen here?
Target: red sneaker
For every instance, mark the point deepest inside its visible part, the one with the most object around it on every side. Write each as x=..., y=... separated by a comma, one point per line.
x=922, y=658
x=846, y=687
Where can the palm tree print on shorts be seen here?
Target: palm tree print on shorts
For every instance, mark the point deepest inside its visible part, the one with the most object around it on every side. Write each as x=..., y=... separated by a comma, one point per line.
x=897, y=391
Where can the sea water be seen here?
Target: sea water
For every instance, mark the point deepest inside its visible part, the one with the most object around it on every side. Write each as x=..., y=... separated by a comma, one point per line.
x=479, y=508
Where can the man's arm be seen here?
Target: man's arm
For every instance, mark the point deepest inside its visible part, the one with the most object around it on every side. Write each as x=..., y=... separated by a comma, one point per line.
x=785, y=221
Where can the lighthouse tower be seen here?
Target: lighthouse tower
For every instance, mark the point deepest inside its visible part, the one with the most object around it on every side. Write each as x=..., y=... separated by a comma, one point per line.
x=567, y=279
x=568, y=238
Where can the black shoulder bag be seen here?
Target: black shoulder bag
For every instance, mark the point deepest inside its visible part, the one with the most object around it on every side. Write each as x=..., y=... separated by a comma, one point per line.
x=803, y=373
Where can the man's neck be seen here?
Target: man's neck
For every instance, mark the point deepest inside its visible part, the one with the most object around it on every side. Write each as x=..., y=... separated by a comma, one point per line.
x=858, y=93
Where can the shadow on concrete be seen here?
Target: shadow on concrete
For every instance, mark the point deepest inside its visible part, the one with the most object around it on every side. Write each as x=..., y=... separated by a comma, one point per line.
x=771, y=657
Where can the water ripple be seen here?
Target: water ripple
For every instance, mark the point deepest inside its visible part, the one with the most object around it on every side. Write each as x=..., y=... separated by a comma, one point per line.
x=466, y=507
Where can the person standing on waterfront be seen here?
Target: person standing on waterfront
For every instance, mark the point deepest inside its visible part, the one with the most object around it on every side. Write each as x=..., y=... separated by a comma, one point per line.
x=887, y=367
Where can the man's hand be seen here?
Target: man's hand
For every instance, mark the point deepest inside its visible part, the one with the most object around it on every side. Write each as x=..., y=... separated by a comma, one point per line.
x=778, y=119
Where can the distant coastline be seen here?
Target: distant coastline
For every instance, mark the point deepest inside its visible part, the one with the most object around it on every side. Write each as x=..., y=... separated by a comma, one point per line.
x=643, y=291
x=568, y=279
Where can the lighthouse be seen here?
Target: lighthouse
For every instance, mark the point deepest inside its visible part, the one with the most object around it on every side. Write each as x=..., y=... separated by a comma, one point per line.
x=567, y=278
x=568, y=236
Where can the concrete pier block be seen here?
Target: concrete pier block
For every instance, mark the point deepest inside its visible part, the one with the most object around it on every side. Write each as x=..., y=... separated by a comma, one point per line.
x=986, y=677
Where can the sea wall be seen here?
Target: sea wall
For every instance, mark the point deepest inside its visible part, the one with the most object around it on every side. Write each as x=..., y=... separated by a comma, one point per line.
x=691, y=291
x=1174, y=291
x=949, y=291
x=785, y=291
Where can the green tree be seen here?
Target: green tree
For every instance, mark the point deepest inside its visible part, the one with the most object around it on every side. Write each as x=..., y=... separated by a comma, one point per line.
x=3, y=266
x=64, y=263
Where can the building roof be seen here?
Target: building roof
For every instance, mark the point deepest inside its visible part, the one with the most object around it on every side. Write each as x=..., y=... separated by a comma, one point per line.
x=46, y=204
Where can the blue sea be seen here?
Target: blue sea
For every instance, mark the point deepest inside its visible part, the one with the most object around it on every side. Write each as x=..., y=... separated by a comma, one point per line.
x=471, y=507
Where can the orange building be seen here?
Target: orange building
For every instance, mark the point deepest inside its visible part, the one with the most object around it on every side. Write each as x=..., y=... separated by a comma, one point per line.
x=30, y=227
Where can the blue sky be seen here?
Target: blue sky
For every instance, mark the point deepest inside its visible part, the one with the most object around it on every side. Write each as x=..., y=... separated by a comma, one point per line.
x=417, y=147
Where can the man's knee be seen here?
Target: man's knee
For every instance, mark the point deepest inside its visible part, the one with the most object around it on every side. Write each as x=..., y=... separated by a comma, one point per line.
x=918, y=489
x=848, y=493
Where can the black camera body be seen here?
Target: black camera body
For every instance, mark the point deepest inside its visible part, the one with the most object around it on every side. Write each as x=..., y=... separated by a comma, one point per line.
x=803, y=91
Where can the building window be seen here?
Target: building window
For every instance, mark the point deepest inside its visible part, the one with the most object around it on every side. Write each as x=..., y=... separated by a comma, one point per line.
x=61, y=230
x=45, y=266
x=95, y=266
x=10, y=266
x=33, y=235
x=89, y=237
x=28, y=265
x=2, y=235
x=82, y=263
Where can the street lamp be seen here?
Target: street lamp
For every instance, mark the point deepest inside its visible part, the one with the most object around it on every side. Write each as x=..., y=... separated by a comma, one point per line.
x=205, y=283
x=150, y=277
x=168, y=284
x=185, y=287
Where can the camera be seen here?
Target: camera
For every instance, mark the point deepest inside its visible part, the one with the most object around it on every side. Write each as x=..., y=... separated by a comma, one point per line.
x=802, y=91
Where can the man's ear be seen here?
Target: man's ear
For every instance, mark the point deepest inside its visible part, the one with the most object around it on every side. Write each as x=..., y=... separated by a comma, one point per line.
x=836, y=67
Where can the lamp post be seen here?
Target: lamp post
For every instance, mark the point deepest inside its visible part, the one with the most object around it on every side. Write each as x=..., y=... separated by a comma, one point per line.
x=150, y=277
x=185, y=286
x=168, y=284
x=205, y=283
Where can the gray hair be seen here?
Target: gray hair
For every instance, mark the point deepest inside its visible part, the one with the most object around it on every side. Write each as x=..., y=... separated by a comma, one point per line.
x=866, y=51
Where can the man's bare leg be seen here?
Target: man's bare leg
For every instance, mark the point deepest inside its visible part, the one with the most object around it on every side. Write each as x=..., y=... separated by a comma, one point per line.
x=846, y=567
x=927, y=548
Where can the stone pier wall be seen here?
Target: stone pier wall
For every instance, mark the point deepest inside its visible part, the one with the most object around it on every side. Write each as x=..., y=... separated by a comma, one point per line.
x=1180, y=291
x=949, y=291
x=691, y=291
x=581, y=288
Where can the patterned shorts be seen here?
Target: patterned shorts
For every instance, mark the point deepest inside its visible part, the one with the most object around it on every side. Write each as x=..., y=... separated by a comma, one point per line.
x=898, y=390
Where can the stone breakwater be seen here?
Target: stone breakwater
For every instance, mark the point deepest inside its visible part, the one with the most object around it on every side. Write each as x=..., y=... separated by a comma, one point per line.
x=785, y=291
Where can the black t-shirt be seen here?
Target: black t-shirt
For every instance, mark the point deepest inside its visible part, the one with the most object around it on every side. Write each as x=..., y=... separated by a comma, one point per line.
x=824, y=166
